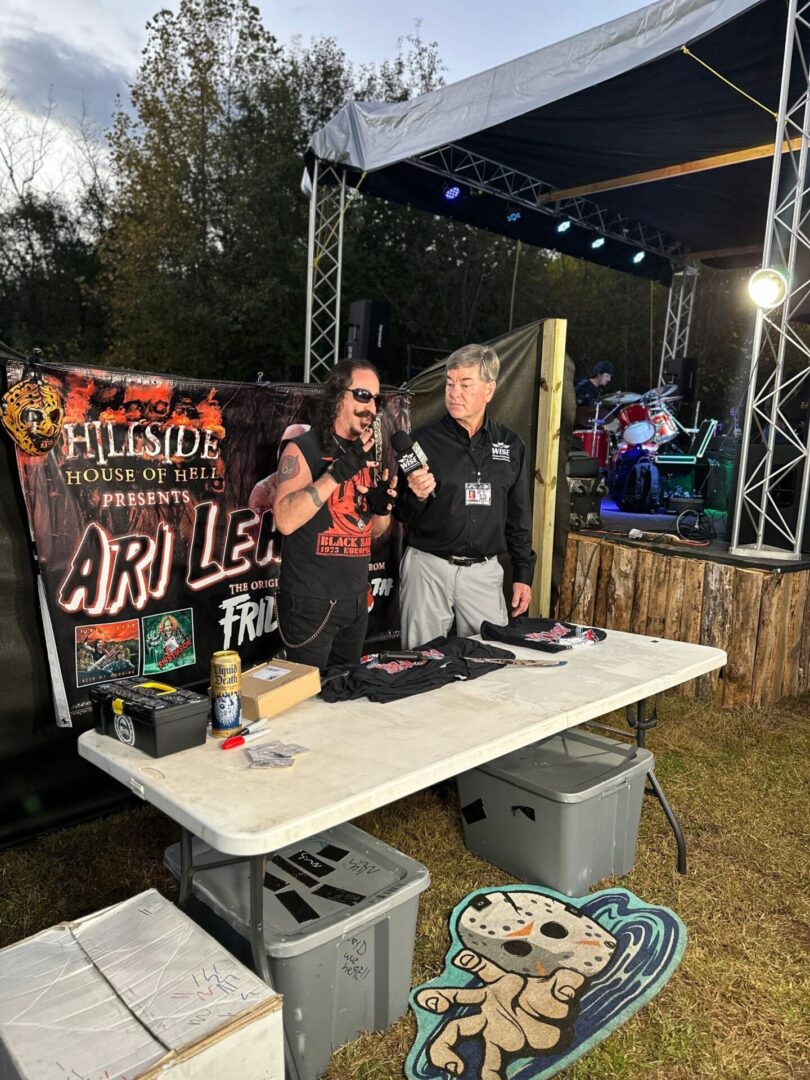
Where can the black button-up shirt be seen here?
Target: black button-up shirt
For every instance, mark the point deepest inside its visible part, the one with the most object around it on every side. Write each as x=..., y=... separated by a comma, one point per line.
x=446, y=525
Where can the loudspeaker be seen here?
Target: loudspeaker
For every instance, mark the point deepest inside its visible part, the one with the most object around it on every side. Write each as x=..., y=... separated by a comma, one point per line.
x=786, y=495
x=369, y=324
x=682, y=370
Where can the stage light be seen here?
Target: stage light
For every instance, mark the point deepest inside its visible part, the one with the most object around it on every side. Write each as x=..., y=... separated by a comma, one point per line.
x=598, y=242
x=639, y=257
x=564, y=226
x=513, y=215
x=451, y=192
x=767, y=288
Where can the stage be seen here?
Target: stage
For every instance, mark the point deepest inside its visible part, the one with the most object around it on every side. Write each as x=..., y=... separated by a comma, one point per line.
x=700, y=594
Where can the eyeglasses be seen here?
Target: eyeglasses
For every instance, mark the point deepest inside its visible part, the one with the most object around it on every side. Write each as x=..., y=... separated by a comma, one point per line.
x=359, y=393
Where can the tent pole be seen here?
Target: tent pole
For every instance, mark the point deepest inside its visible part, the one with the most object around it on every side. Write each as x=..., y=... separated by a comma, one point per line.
x=678, y=326
x=774, y=453
x=324, y=270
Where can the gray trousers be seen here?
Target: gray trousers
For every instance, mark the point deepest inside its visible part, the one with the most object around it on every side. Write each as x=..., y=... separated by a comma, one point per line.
x=432, y=593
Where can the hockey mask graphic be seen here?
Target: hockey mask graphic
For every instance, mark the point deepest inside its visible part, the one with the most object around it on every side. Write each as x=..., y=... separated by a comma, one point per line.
x=32, y=414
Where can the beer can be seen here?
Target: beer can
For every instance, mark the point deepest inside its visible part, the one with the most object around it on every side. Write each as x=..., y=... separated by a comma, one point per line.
x=226, y=693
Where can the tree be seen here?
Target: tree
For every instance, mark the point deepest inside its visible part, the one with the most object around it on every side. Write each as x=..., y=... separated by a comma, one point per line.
x=178, y=276
x=49, y=261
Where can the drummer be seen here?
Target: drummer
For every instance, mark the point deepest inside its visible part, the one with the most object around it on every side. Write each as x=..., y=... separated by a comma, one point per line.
x=590, y=390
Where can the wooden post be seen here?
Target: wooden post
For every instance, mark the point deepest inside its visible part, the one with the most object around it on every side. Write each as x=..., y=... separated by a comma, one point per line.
x=552, y=366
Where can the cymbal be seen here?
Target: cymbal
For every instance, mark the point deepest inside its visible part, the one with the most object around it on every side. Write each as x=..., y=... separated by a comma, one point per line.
x=621, y=398
x=667, y=391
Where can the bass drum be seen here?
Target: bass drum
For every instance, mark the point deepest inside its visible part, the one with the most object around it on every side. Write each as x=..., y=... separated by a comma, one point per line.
x=636, y=425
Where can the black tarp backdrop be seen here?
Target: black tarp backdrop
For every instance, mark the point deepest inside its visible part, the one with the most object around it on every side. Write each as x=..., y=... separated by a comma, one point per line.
x=515, y=404
x=46, y=784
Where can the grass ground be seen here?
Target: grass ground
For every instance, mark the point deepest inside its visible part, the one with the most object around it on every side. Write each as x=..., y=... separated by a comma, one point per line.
x=738, y=1008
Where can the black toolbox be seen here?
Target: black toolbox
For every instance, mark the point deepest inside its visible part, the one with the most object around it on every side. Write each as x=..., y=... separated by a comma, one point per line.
x=151, y=716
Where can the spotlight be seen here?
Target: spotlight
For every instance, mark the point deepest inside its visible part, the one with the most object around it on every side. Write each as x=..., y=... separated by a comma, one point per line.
x=767, y=288
x=451, y=192
x=513, y=215
x=598, y=242
x=639, y=257
x=564, y=226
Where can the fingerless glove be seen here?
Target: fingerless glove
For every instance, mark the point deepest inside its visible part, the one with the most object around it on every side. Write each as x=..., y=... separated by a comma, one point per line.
x=378, y=500
x=349, y=463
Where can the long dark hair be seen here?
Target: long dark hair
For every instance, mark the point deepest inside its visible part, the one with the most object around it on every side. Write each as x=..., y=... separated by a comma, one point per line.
x=336, y=384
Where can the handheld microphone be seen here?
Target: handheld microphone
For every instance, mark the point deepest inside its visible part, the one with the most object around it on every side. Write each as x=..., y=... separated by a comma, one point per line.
x=410, y=455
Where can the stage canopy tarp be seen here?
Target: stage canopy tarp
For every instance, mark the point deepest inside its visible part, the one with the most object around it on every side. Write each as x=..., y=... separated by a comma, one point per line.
x=617, y=101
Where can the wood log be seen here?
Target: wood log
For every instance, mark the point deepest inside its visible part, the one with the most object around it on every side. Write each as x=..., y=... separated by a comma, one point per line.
x=675, y=599
x=766, y=687
x=600, y=607
x=659, y=586
x=690, y=617
x=566, y=597
x=804, y=652
x=620, y=588
x=585, y=581
x=738, y=674
x=715, y=617
x=641, y=591
x=796, y=609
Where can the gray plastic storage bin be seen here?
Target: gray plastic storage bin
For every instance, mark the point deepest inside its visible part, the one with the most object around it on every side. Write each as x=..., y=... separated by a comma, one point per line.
x=563, y=812
x=339, y=924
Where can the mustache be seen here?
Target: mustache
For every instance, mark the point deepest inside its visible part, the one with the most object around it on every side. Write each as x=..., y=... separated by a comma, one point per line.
x=365, y=415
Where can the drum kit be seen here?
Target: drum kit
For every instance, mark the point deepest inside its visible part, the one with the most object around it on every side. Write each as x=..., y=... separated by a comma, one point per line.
x=640, y=422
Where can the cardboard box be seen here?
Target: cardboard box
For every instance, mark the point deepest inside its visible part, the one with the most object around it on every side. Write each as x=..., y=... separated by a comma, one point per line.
x=268, y=689
x=135, y=991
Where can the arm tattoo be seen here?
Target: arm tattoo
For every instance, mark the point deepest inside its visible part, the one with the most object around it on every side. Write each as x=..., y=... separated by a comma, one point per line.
x=310, y=490
x=289, y=467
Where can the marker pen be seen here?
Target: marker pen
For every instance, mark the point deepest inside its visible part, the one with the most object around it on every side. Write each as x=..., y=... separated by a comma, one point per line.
x=240, y=740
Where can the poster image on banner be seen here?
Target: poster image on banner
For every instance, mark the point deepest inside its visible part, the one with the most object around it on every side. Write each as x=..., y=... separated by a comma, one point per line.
x=168, y=641
x=154, y=506
x=107, y=651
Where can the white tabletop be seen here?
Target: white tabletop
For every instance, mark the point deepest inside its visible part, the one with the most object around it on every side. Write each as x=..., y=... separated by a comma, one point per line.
x=363, y=755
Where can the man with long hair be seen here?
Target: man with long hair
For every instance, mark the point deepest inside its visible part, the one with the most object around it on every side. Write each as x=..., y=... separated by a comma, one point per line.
x=328, y=508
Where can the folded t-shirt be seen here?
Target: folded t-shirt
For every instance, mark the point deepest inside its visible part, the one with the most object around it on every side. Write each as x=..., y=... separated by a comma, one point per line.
x=548, y=635
x=441, y=661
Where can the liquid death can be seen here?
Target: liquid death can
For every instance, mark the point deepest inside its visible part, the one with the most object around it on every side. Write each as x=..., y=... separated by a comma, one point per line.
x=226, y=693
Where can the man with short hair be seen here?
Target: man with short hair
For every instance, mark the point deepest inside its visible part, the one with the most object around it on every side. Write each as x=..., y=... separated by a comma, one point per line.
x=328, y=510
x=589, y=390
x=470, y=503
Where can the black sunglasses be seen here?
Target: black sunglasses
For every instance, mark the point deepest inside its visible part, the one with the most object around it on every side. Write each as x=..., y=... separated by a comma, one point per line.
x=359, y=393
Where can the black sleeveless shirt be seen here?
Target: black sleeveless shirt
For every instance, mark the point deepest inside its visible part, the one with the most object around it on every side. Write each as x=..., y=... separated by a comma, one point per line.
x=328, y=556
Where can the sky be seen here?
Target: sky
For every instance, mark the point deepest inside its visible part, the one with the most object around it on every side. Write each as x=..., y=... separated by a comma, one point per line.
x=80, y=53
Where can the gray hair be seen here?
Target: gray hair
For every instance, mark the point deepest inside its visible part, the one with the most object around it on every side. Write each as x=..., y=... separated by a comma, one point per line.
x=481, y=356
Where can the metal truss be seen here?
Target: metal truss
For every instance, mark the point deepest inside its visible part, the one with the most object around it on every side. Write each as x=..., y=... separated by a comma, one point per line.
x=780, y=359
x=455, y=163
x=327, y=207
x=678, y=327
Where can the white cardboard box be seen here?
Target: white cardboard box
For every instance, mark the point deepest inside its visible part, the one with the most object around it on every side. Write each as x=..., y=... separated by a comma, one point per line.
x=134, y=992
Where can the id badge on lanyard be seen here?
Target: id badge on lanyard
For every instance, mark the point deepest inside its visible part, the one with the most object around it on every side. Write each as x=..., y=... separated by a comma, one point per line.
x=478, y=494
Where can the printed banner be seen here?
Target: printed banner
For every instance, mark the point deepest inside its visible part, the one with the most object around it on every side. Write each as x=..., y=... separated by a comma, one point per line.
x=151, y=509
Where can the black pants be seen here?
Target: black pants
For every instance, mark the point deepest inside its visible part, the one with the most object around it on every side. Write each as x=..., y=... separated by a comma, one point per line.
x=341, y=639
